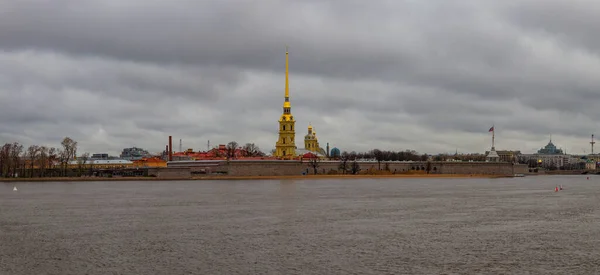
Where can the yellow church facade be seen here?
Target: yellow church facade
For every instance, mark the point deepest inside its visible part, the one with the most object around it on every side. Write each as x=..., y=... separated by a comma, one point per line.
x=311, y=142
x=286, y=144
x=285, y=147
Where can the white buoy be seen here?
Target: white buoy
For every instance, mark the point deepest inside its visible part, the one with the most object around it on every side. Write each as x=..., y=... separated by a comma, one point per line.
x=15, y=188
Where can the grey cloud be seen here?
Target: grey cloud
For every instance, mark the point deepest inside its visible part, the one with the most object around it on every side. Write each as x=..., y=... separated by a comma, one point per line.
x=572, y=22
x=424, y=75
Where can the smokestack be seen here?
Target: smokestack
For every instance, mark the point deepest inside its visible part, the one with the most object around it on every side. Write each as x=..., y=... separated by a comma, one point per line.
x=170, y=148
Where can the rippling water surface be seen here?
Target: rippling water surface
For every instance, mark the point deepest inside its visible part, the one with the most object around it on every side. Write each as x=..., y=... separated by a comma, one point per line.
x=379, y=226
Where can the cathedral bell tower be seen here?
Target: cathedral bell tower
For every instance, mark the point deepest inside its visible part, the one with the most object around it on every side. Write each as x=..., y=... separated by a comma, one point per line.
x=286, y=144
x=311, y=142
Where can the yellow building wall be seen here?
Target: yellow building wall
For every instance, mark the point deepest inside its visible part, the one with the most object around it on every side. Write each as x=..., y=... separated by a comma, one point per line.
x=285, y=147
x=286, y=144
x=101, y=166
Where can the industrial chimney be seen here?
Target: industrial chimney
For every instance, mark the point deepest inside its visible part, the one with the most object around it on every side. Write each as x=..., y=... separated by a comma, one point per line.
x=170, y=148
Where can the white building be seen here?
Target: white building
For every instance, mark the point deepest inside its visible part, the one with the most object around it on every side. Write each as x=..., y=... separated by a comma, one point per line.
x=551, y=157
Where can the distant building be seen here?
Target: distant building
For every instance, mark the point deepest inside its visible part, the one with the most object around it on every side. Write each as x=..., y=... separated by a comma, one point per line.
x=101, y=164
x=285, y=147
x=550, y=149
x=311, y=144
x=551, y=157
x=335, y=153
x=590, y=165
x=506, y=155
x=99, y=156
x=150, y=162
x=218, y=153
x=134, y=153
x=492, y=156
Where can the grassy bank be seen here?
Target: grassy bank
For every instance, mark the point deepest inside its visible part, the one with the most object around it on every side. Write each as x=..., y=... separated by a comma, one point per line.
x=250, y=177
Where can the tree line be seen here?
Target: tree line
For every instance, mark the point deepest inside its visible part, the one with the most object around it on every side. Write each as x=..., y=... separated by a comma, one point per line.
x=384, y=155
x=36, y=160
x=234, y=150
x=349, y=160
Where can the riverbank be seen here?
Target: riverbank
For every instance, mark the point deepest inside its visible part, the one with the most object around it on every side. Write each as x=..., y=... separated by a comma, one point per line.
x=348, y=177
x=62, y=179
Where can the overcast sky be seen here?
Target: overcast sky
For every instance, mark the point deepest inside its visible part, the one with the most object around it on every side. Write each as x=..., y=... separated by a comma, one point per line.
x=428, y=75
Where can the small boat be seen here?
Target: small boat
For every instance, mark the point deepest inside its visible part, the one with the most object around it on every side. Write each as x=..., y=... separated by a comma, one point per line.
x=15, y=188
x=519, y=175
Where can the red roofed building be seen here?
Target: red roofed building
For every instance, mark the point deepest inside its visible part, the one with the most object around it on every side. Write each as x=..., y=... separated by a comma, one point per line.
x=218, y=153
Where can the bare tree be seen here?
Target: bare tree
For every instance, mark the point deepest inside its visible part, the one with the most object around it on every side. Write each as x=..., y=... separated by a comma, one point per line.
x=231, y=147
x=344, y=157
x=69, y=151
x=354, y=167
x=43, y=160
x=251, y=150
x=379, y=156
x=81, y=161
x=15, y=157
x=313, y=162
x=32, y=154
x=216, y=152
x=4, y=161
x=53, y=158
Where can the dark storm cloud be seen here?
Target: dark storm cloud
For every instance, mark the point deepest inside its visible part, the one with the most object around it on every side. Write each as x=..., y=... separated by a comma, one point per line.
x=426, y=75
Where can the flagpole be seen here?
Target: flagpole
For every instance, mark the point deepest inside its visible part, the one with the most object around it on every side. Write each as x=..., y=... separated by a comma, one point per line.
x=493, y=136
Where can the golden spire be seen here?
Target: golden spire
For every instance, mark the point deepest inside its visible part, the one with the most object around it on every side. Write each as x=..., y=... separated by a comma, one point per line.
x=287, y=81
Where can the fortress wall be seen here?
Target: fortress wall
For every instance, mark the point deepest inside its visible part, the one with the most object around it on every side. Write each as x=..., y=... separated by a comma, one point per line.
x=521, y=169
x=280, y=168
x=275, y=168
x=484, y=168
x=164, y=172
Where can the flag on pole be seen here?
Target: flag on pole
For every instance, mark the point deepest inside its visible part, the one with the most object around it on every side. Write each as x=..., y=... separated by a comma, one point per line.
x=491, y=129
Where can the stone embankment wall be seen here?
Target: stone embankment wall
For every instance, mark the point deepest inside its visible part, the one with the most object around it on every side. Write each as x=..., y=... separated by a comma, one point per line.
x=281, y=168
x=284, y=168
x=170, y=172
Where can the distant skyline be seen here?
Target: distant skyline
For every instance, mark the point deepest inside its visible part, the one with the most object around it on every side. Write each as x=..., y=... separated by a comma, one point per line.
x=431, y=76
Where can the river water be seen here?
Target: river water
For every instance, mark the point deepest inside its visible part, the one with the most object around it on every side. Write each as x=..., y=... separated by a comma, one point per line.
x=348, y=226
